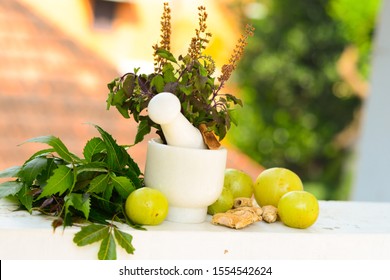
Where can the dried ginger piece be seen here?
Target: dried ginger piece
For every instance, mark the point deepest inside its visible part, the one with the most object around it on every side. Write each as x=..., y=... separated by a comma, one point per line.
x=209, y=138
x=238, y=218
x=242, y=202
x=270, y=213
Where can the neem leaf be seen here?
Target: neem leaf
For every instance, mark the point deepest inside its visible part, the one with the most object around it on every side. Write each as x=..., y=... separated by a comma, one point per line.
x=90, y=234
x=124, y=240
x=31, y=169
x=41, y=153
x=47, y=172
x=10, y=172
x=10, y=188
x=115, y=153
x=59, y=182
x=92, y=167
x=134, y=177
x=98, y=184
x=58, y=146
x=107, y=249
x=25, y=197
x=133, y=165
x=93, y=146
x=79, y=201
x=122, y=185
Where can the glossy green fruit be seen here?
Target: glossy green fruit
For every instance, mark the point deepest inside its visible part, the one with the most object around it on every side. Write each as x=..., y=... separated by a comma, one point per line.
x=238, y=182
x=146, y=206
x=273, y=183
x=298, y=209
x=222, y=204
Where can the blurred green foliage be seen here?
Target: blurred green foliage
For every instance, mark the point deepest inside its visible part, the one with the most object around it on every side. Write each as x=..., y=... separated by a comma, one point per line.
x=295, y=102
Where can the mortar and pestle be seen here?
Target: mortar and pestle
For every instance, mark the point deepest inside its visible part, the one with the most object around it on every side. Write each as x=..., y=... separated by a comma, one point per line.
x=184, y=170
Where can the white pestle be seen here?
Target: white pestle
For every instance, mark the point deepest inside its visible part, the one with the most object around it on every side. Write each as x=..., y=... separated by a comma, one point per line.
x=164, y=109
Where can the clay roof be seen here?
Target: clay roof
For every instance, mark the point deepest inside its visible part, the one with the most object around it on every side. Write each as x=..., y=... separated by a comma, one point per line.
x=51, y=85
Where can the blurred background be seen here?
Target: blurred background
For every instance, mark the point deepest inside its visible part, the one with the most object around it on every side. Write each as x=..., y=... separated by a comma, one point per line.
x=304, y=77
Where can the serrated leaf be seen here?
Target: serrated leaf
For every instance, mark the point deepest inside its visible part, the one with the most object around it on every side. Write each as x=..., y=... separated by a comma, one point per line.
x=124, y=240
x=47, y=172
x=93, y=146
x=31, y=169
x=92, y=167
x=98, y=184
x=107, y=249
x=59, y=182
x=80, y=202
x=57, y=145
x=133, y=176
x=10, y=172
x=115, y=153
x=106, y=195
x=143, y=129
x=42, y=153
x=10, y=188
x=122, y=185
x=90, y=234
x=26, y=198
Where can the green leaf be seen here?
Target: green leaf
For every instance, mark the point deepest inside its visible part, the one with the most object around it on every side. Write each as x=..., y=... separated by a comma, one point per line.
x=119, y=98
x=106, y=195
x=233, y=99
x=90, y=234
x=115, y=153
x=107, y=249
x=58, y=146
x=124, y=240
x=168, y=73
x=122, y=185
x=92, y=167
x=10, y=188
x=47, y=172
x=202, y=71
x=143, y=129
x=42, y=153
x=166, y=54
x=59, y=182
x=133, y=176
x=123, y=110
x=93, y=146
x=31, y=169
x=129, y=84
x=158, y=82
x=133, y=165
x=26, y=198
x=10, y=172
x=98, y=184
x=186, y=89
x=79, y=201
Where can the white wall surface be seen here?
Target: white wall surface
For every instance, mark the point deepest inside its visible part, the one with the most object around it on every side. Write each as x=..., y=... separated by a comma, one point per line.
x=373, y=167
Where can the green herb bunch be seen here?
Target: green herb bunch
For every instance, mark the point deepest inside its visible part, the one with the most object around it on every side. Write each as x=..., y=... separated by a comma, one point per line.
x=189, y=77
x=73, y=190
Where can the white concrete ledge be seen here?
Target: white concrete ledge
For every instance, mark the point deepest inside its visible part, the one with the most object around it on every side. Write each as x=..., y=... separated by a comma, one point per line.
x=344, y=230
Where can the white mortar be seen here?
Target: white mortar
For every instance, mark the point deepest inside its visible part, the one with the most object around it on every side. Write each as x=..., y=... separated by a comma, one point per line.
x=191, y=179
